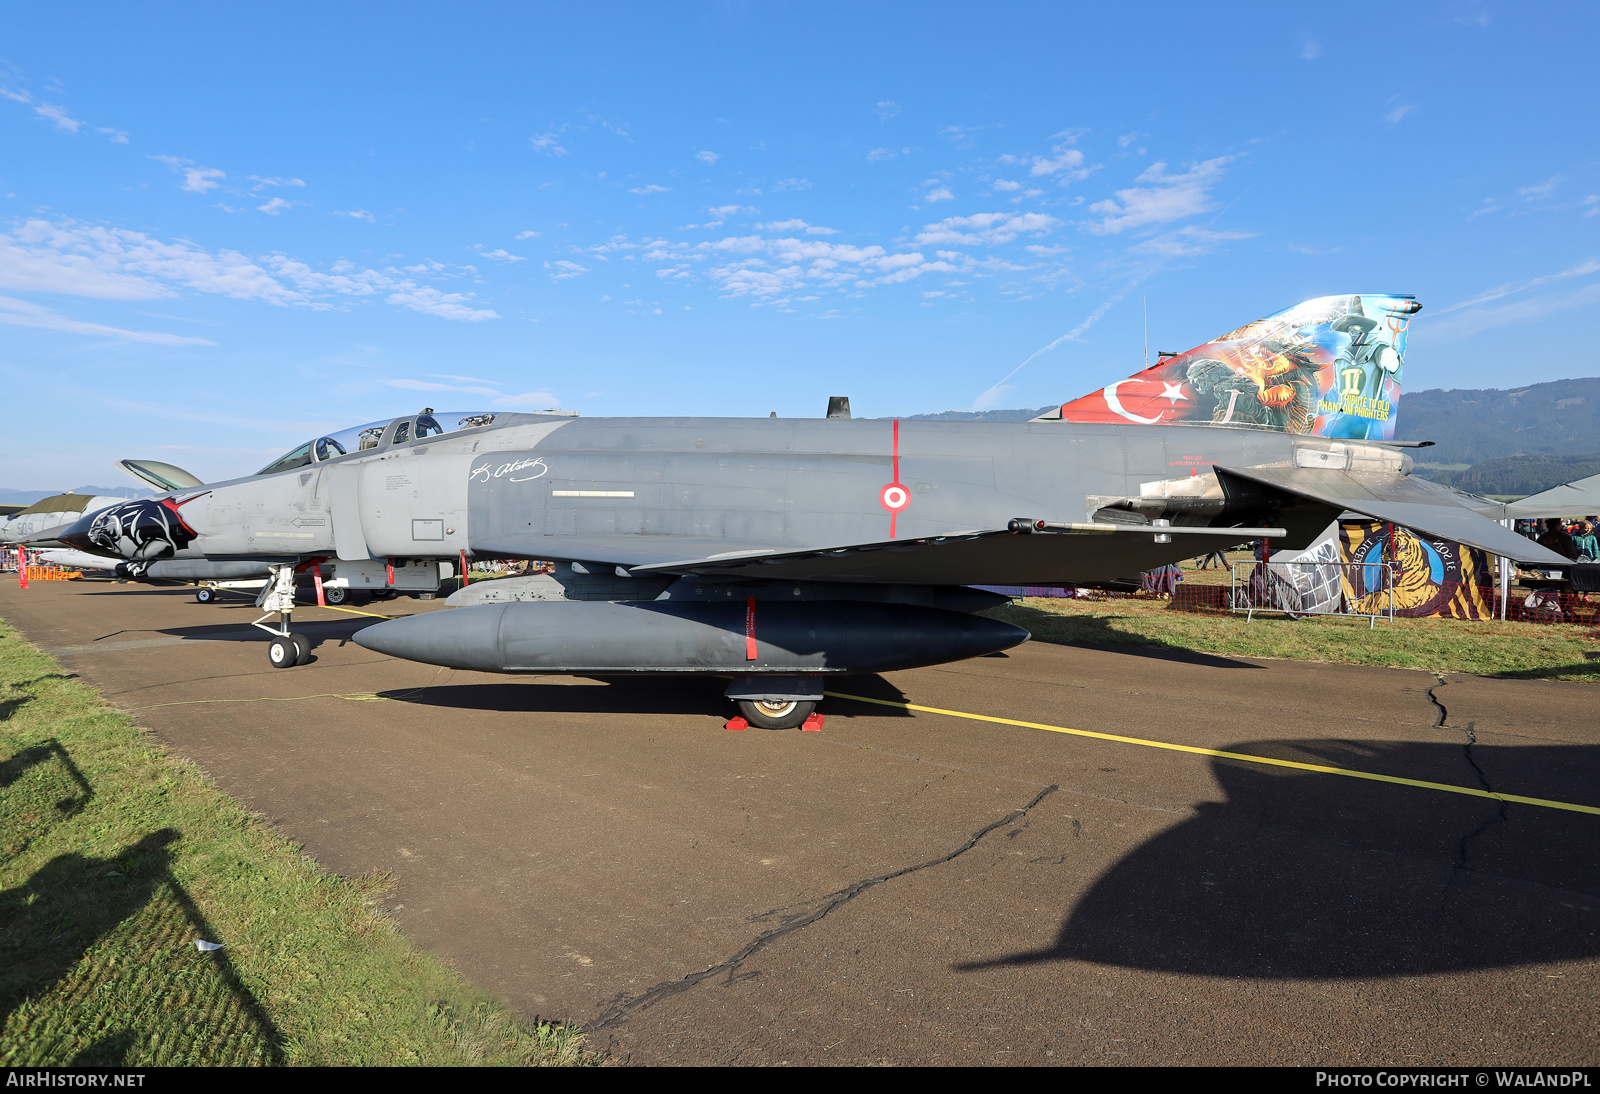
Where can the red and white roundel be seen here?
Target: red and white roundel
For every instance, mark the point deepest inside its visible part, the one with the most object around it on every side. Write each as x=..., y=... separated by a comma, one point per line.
x=894, y=497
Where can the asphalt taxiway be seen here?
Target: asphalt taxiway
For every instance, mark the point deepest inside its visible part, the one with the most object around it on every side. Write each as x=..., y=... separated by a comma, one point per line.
x=914, y=887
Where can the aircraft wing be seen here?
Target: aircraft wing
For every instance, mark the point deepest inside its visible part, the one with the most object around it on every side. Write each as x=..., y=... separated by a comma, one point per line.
x=1405, y=500
x=1061, y=554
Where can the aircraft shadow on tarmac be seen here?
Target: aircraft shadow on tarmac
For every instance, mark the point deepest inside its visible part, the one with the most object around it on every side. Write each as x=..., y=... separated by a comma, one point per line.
x=641, y=694
x=135, y=916
x=1310, y=876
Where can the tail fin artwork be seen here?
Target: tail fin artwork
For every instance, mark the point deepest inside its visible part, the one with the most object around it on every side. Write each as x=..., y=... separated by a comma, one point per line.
x=1330, y=366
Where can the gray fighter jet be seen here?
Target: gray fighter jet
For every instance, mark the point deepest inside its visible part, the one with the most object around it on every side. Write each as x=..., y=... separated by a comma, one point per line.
x=784, y=551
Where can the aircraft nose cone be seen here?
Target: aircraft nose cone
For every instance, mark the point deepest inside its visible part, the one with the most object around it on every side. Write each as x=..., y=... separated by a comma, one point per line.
x=77, y=535
x=460, y=638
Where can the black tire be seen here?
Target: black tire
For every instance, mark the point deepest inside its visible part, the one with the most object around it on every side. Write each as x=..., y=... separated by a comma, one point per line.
x=335, y=595
x=383, y=594
x=283, y=653
x=302, y=646
x=205, y=595
x=776, y=714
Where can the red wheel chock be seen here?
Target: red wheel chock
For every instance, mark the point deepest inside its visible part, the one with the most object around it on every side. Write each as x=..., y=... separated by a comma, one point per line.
x=813, y=724
x=737, y=722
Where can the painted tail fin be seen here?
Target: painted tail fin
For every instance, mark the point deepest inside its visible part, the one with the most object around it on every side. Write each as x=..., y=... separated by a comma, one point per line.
x=1330, y=366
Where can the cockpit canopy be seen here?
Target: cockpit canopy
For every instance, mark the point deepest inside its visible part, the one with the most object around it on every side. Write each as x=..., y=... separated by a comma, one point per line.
x=360, y=438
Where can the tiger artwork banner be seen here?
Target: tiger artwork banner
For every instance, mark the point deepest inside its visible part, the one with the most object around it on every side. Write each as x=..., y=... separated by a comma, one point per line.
x=1431, y=576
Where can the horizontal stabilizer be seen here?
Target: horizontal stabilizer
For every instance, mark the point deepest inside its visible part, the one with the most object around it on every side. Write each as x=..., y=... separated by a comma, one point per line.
x=1405, y=500
x=1570, y=499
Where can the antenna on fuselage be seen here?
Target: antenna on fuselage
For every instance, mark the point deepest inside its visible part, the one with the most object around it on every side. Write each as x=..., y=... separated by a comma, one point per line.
x=1146, y=332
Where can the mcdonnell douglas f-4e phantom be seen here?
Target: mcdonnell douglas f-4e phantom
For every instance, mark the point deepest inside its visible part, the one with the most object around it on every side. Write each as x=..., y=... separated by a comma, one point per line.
x=782, y=551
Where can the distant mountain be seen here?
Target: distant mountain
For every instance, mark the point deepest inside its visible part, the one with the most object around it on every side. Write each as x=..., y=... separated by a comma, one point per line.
x=1471, y=426
x=982, y=415
x=1520, y=475
x=28, y=497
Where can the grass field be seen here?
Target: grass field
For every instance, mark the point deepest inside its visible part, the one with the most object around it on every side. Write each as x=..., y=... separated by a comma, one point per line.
x=1491, y=648
x=115, y=857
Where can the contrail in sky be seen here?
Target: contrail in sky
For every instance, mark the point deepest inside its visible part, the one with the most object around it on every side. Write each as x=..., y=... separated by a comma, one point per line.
x=1071, y=336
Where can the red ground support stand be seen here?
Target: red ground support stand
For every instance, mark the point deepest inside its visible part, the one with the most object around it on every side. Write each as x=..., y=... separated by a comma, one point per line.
x=813, y=724
x=737, y=722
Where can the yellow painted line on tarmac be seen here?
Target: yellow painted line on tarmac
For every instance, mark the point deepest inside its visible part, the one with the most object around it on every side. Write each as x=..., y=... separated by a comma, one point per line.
x=1449, y=788
x=353, y=611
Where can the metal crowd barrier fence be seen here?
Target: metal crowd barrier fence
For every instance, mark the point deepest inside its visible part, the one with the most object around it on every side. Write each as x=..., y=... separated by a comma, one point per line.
x=1314, y=588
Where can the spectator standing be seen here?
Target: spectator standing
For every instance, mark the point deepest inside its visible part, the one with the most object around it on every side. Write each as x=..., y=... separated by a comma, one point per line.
x=1556, y=539
x=1586, y=542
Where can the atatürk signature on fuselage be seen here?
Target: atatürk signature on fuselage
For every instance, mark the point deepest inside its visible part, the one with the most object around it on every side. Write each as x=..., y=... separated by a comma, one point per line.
x=535, y=466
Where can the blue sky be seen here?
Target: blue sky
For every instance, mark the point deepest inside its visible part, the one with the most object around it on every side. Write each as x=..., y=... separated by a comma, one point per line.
x=224, y=229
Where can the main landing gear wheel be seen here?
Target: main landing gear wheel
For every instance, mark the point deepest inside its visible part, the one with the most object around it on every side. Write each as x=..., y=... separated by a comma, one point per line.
x=283, y=651
x=205, y=595
x=335, y=595
x=775, y=713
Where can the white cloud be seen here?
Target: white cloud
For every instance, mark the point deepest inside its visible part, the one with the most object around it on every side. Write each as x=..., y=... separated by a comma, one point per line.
x=424, y=385
x=430, y=301
x=1064, y=160
x=886, y=110
x=791, y=184
x=21, y=313
x=1186, y=242
x=500, y=255
x=86, y=260
x=547, y=143
x=986, y=229
x=1127, y=139
x=878, y=154
x=941, y=193
x=1481, y=318
x=652, y=188
x=529, y=234
x=725, y=211
x=1489, y=206
x=534, y=400
x=796, y=226
x=1166, y=198
x=276, y=206
x=1540, y=191
x=264, y=182
x=49, y=111
x=196, y=179
x=1592, y=204
x=356, y=214
x=1006, y=184
x=708, y=158
x=561, y=269
x=1310, y=49
x=1582, y=269
x=1394, y=116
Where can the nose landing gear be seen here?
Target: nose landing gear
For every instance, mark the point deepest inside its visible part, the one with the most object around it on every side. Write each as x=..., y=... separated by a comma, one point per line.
x=277, y=596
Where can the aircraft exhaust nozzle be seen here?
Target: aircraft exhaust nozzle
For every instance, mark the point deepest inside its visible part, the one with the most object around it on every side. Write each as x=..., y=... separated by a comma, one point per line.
x=663, y=636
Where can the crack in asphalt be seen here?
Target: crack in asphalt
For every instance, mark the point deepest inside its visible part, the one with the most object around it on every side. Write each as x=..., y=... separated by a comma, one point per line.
x=1500, y=815
x=619, y=1011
